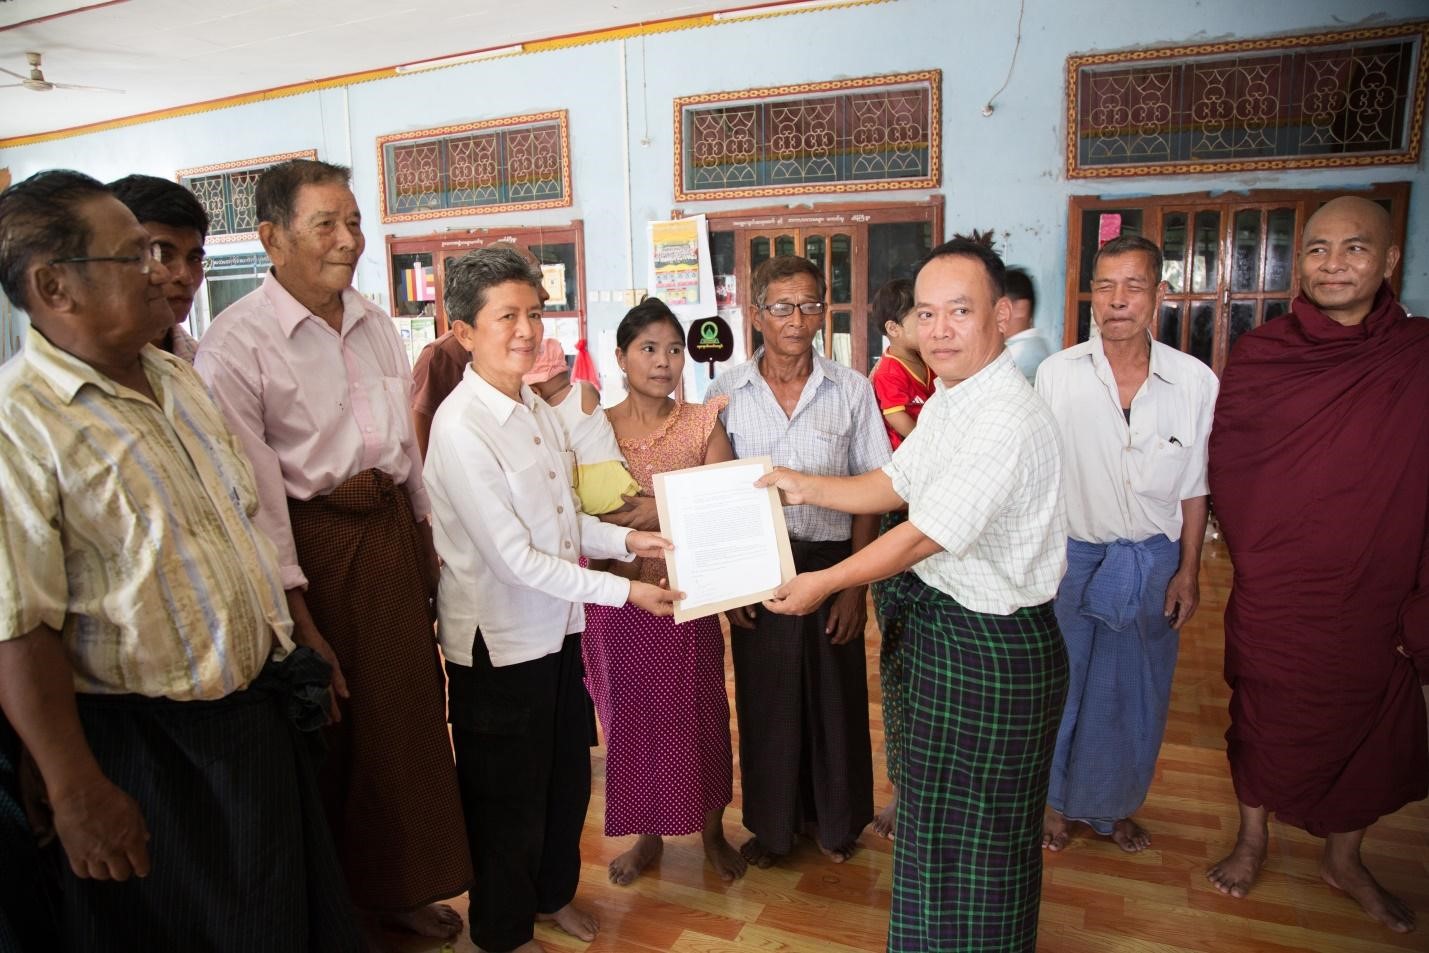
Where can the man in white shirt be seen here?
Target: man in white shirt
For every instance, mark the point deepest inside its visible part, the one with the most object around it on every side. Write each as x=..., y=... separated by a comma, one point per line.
x=801, y=684
x=511, y=608
x=1024, y=341
x=985, y=669
x=1134, y=416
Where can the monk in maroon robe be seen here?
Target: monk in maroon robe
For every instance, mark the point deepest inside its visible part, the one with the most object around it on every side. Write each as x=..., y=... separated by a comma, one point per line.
x=1319, y=473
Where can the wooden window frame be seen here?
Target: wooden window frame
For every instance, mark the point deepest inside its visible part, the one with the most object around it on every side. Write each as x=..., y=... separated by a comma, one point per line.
x=559, y=116
x=1307, y=41
x=818, y=216
x=933, y=78
x=441, y=244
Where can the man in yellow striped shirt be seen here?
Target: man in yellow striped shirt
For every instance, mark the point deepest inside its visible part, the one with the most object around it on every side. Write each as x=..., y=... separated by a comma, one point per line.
x=142, y=618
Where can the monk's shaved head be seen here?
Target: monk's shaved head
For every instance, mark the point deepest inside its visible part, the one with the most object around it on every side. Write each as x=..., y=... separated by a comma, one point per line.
x=1347, y=253
x=1371, y=213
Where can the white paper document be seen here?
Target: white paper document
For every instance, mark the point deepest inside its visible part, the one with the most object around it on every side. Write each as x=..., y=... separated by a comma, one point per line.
x=731, y=544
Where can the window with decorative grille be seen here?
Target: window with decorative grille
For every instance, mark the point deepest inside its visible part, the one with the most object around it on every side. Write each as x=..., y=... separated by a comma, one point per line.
x=1349, y=98
x=857, y=135
x=226, y=190
x=498, y=165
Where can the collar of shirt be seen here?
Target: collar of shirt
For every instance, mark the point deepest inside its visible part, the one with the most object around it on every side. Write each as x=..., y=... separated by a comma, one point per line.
x=500, y=405
x=748, y=374
x=291, y=312
x=1158, y=366
x=68, y=374
x=991, y=378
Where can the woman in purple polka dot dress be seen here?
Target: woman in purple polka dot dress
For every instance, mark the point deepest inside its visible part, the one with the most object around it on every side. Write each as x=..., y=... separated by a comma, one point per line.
x=659, y=687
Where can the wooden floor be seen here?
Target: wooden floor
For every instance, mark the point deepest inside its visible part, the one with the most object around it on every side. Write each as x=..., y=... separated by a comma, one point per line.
x=1095, y=898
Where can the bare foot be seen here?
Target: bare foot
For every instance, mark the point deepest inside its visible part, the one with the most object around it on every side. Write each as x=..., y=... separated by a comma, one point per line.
x=754, y=851
x=1056, y=833
x=572, y=920
x=1130, y=836
x=1352, y=877
x=434, y=920
x=883, y=823
x=727, y=862
x=631, y=864
x=1236, y=872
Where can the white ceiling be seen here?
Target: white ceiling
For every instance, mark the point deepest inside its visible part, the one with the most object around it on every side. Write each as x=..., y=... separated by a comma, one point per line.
x=168, y=53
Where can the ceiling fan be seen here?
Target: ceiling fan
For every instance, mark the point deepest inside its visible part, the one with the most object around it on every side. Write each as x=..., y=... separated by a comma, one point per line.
x=36, y=80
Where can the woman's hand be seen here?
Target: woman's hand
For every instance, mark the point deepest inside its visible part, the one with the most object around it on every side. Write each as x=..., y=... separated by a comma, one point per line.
x=656, y=600
x=647, y=545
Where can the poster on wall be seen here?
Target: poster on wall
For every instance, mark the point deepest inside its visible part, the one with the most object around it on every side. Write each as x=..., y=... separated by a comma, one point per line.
x=680, y=273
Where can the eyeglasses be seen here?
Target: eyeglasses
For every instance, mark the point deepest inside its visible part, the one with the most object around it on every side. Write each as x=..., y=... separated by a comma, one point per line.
x=782, y=309
x=154, y=253
x=169, y=258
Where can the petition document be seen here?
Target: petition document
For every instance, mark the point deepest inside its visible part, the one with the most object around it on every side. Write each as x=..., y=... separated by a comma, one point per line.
x=731, y=544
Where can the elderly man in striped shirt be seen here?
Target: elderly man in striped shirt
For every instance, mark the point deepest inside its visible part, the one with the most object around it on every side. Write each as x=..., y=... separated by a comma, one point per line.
x=800, y=684
x=142, y=621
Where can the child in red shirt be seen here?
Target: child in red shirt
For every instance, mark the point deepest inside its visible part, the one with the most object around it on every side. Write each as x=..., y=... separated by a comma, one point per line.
x=901, y=381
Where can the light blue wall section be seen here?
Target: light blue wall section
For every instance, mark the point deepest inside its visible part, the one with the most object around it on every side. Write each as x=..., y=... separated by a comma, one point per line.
x=1005, y=171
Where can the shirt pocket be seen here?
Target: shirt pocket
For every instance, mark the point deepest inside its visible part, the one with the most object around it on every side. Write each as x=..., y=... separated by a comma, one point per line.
x=533, y=499
x=1163, y=471
x=826, y=454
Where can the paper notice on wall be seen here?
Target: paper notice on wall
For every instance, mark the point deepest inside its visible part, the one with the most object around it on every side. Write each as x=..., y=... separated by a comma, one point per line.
x=553, y=278
x=679, y=267
x=1108, y=227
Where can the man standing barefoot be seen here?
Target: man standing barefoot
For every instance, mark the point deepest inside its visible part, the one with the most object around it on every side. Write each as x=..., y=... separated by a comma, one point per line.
x=1320, y=476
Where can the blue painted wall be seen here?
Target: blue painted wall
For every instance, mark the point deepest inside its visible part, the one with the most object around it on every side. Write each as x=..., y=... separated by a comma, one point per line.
x=1005, y=171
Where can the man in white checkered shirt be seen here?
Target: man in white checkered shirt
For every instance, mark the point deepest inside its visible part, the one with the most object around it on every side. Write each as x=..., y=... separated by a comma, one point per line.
x=985, y=667
x=801, y=690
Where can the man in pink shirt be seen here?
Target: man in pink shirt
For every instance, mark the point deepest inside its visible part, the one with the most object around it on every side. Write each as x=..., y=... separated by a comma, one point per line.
x=314, y=381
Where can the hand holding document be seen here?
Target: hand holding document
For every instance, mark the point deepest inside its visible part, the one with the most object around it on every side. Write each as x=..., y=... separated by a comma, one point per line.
x=731, y=544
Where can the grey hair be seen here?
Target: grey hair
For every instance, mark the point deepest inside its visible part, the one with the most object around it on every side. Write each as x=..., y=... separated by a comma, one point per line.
x=472, y=275
x=1126, y=245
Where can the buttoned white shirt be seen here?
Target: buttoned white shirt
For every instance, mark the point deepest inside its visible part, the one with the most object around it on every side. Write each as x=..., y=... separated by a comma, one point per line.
x=509, y=529
x=1127, y=481
x=982, y=475
x=836, y=430
x=1028, y=349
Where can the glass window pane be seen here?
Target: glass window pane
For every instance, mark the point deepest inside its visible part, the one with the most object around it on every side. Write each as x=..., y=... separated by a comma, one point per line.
x=819, y=342
x=843, y=338
x=1092, y=222
x=841, y=269
x=758, y=252
x=894, y=251
x=1084, y=321
x=1173, y=251
x=722, y=252
x=1280, y=233
x=1245, y=268
x=814, y=250
x=784, y=245
x=1203, y=330
x=1169, y=331
x=563, y=253
x=1274, y=309
x=1205, y=251
x=1242, y=319
x=408, y=289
